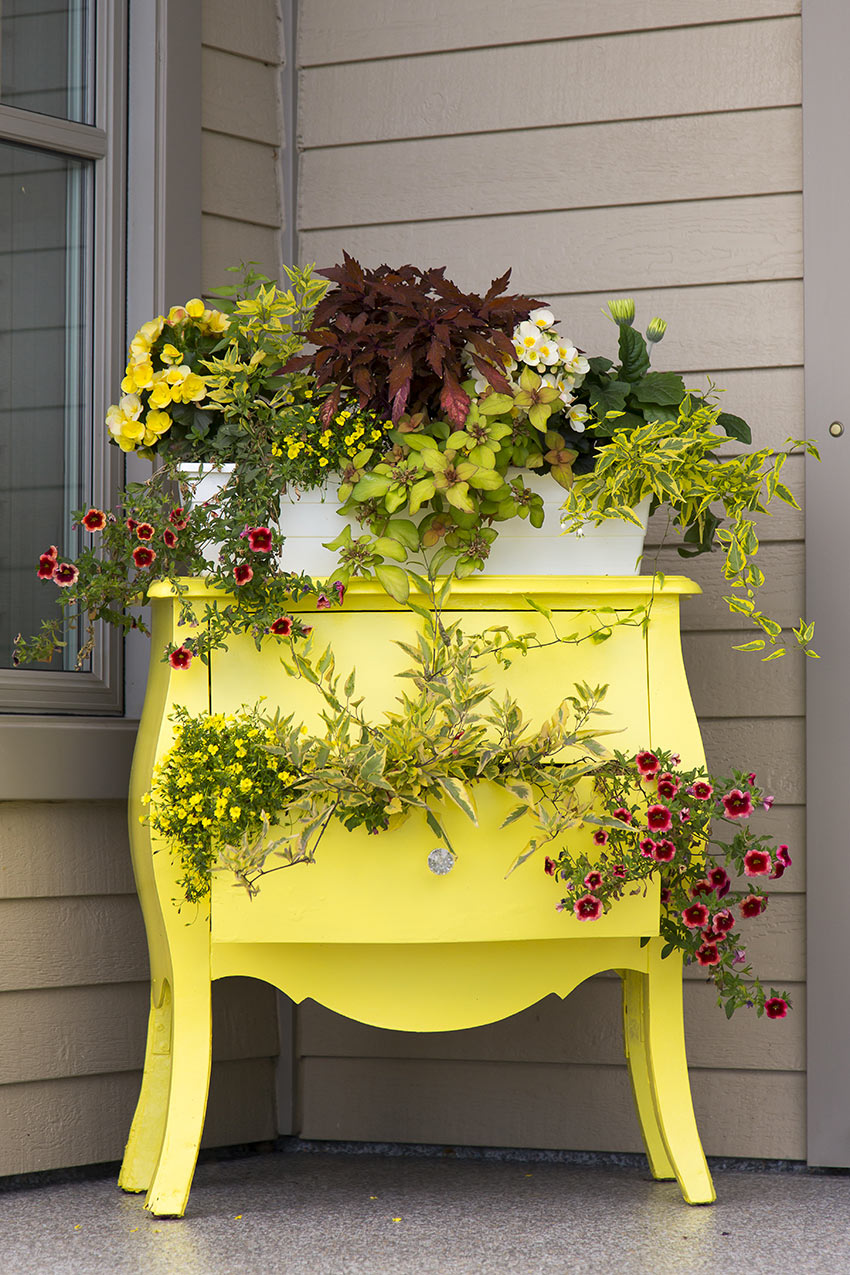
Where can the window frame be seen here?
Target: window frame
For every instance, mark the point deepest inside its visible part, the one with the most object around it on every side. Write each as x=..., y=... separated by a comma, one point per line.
x=98, y=691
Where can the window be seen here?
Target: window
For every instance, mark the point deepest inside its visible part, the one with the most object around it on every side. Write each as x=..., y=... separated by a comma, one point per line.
x=63, y=87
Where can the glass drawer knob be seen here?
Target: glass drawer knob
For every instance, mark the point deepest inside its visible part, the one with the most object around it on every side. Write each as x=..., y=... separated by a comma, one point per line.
x=441, y=861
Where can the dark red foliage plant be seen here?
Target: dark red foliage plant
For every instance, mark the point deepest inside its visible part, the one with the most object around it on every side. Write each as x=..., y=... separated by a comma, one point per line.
x=397, y=335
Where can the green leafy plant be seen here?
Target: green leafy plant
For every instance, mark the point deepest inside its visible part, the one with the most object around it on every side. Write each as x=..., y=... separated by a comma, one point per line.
x=675, y=462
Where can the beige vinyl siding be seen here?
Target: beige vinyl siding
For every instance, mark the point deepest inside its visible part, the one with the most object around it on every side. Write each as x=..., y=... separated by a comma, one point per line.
x=74, y=998
x=241, y=138
x=644, y=148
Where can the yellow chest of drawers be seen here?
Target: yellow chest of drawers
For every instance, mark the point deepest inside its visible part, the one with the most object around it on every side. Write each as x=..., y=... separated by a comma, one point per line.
x=369, y=930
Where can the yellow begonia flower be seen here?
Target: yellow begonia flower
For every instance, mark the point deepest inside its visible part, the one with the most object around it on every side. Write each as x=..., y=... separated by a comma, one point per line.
x=160, y=395
x=157, y=422
x=139, y=376
x=186, y=385
x=176, y=314
x=170, y=354
x=215, y=321
x=195, y=308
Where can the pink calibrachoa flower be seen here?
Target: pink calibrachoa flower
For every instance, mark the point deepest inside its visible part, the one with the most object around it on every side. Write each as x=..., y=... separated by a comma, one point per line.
x=695, y=916
x=242, y=573
x=145, y=531
x=783, y=856
x=723, y=922
x=94, y=520
x=178, y=518
x=131, y=524
x=701, y=887
x=46, y=566
x=778, y=871
x=282, y=626
x=143, y=556
x=600, y=836
x=647, y=847
x=658, y=819
x=259, y=539
x=647, y=764
x=751, y=778
x=306, y=629
x=624, y=815
x=719, y=879
x=757, y=863
x=66, y=575
x=619, y=870
x=675, y=759
x=708, y=954
x=768, y=802
x=739, y=957
x=667, y=786
x=752, y=905
x=684, y=815
x=593, y=880
x=549, y=866
x=701, y=789
x=339, y=590
x=181, y=658
x=587, y=908
x=169, y=537
x=737, y=804
x=664, y=852
x=776, y=1007
x=665, y=894
x=323, y=602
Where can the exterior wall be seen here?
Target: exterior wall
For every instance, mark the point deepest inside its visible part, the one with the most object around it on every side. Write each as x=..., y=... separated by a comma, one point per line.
x=73, y=958
x=602, y=152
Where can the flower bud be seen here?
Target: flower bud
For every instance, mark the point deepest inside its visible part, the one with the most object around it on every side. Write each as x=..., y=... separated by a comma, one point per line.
x=622, y=311
x=656, y=330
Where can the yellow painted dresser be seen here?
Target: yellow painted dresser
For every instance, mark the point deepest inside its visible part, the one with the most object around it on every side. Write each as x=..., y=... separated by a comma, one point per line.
x=369, y=930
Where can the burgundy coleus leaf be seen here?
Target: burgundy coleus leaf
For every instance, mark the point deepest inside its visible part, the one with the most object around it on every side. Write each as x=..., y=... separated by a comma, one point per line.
x=400, y=374
x=359, y=323
x=436, y=353
x=493, y=375
x=497, y=286
x=329, y=407
x=400, y=402
x=454, y=401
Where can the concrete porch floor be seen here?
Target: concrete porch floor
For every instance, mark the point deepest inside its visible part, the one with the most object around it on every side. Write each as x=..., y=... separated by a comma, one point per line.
x=307, y=1211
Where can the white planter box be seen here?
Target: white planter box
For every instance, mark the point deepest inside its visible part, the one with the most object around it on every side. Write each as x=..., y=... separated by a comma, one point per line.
x=309, y=519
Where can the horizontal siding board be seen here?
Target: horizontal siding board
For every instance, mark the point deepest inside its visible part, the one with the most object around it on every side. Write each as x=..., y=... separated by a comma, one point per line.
x=773, y=689
x=727, y=326
x=586, y=1028
x=68, y=942
x=781, y=596
x=55, y=848
x=687, y=157
x=250, y=28
x=579, y=1108
x=225, y=242
x=240, y=180
x=774, y=747
x=51, y=1124
x=329, y=31
x=739, y=67
x=674, y=245
x=239, y=97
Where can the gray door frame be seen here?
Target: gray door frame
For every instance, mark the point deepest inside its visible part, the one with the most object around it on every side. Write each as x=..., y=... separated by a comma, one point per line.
x=826, y=201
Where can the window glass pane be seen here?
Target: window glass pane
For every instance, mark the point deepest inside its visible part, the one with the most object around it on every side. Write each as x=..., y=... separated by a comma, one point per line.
x=44, y=57
x=44, y=464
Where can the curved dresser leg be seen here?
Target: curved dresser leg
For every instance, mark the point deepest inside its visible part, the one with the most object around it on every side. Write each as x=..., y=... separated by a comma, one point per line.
x=668, y=1074
x=144, y=1143
x=191, y=1052
x=637, y=1056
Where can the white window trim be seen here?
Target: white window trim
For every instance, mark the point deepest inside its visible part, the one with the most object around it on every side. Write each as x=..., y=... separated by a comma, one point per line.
x=98, y=691
x=78, y=751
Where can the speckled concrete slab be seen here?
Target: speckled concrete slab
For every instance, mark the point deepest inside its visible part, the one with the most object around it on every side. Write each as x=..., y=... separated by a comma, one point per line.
x=320, y=1214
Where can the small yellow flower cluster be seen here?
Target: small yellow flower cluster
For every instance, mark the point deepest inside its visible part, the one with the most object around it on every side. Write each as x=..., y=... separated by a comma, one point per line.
x=159, y=371
x=215, y=784
x=302, y=437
